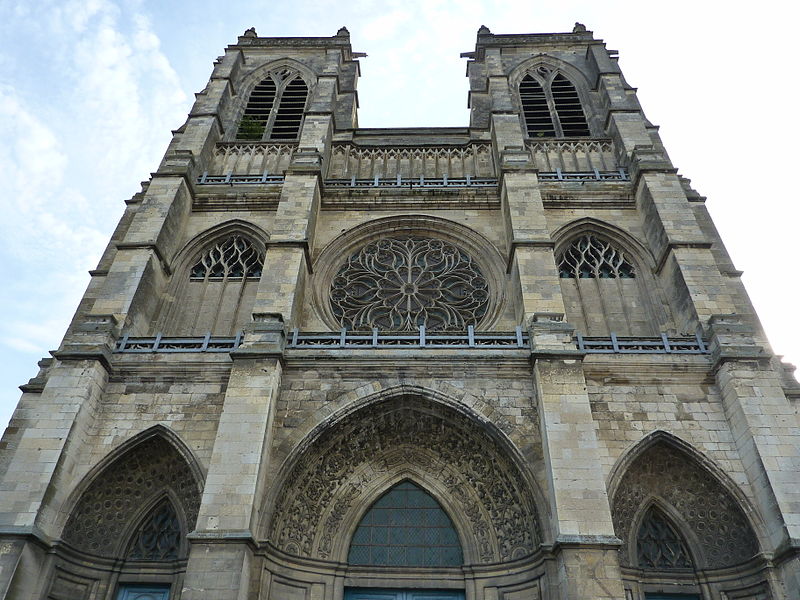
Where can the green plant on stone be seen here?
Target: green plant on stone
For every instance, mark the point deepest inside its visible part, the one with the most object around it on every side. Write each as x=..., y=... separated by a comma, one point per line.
x=250, y=128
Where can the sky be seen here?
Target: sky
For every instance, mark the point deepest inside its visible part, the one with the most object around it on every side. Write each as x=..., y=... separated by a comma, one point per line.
x=91, y=89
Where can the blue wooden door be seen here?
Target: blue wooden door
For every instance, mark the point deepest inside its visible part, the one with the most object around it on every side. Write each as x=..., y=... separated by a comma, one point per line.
x=143, y=592
x=381, y=594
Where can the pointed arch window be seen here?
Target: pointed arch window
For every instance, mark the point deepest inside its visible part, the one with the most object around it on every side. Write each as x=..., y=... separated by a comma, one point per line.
x=275, y=108
x=231, y=258
x=218, y=292
x=158, y=536
x=406, y=527
x=551, y=105
x=658, y=545
x=589, y=257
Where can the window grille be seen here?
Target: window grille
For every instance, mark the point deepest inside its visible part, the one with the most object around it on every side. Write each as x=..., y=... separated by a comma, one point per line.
x=229, y=259
x=551, y=105
x=590, y=257
x=400, y=284
x=275, y=108
x=659, y=547
x=406, y=527
x=159, y=535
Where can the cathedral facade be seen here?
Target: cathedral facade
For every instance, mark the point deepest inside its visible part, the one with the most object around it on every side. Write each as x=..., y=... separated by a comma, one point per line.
x=508, y=361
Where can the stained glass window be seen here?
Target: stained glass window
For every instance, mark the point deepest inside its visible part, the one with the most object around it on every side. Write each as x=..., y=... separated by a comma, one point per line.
x=659, y=546
x=406, y=527
x=159, y=535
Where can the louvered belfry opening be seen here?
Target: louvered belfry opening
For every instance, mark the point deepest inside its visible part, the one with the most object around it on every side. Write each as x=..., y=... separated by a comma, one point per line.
x=551, y=106
x=568, y=107
x=290, y=111
x=275, y=109
x=256, y=115
x=538, y=121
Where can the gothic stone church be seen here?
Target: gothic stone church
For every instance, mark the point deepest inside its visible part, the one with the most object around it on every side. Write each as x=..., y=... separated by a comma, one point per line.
x=507, y=361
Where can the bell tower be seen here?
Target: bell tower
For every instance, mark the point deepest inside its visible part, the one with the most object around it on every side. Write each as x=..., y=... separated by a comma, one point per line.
x=505, y=361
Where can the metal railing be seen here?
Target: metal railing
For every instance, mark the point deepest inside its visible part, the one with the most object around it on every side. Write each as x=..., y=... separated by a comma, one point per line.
x=636, y=345
x=344, y=339
x=160, y=343
x=415, y=182
x=231, y=179
x=593, y=175
x=420, y=339
x=412, y=182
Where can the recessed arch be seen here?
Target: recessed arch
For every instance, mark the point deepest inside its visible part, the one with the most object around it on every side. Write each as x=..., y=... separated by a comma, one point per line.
x=630, y=301
x=665, y=469
x=488, y=260
x=146, y=468
x=195, y=304
x=339, y=470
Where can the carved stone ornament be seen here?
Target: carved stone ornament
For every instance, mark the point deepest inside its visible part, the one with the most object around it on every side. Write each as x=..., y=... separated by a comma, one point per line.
x=590, y=257
x=398, y=284
x=335, y=478
x=706, y=507
x=231, y=258
x=109, y=505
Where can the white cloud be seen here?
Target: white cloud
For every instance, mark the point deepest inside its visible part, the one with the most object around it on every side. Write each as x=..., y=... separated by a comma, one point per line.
x=82, y=123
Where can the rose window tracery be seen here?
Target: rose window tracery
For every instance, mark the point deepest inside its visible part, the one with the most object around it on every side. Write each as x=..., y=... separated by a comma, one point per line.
x=399, y=284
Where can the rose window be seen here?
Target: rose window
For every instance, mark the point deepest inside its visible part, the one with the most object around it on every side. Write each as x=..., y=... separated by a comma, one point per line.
x=398, y=284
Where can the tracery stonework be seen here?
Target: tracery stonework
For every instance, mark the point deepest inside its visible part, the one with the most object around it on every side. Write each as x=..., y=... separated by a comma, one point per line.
x=706, y=507
x=338, y=468
x=398, y=284
x=114, y=498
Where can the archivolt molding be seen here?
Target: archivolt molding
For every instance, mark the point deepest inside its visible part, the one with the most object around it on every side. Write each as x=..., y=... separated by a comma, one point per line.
x=192, y=250
x=140, y=472
x=553, y=64
x=638, y=252
x=254, y=77
x=660, y=470
x=341, y=249
x=349, y=464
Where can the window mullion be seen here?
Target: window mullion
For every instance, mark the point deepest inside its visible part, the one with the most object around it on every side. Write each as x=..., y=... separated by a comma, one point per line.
x=551, y=104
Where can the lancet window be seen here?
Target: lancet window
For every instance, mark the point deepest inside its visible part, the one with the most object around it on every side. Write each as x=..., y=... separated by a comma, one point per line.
x=275, y=108
x=551, y=105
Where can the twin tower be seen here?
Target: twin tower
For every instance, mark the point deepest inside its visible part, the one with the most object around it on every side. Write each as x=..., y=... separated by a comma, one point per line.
x=509, y=361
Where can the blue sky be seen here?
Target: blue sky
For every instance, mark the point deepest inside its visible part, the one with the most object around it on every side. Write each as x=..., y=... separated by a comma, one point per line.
x=89, y=91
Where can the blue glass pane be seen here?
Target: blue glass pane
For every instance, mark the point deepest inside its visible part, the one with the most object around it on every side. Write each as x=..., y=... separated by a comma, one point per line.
x=142, y=592
x=406, y=527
